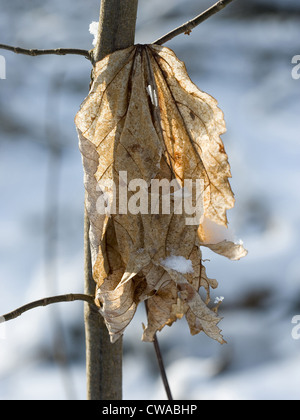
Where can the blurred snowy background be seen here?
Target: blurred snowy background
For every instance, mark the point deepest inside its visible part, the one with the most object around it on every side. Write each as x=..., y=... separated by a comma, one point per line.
x=242, y=56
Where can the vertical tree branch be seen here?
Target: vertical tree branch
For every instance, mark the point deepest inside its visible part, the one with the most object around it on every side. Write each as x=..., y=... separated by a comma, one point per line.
x=116, y=26
x=104, y=360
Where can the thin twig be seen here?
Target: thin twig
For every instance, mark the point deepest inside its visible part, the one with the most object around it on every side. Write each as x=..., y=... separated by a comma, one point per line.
x=45, y=302
x=191, y=24
x=161, y=363
x=56, y=51
x=162, y=368
x=186, y=28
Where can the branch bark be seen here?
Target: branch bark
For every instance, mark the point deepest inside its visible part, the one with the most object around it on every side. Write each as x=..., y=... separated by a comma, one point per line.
x=187, y=27
x=104, y=360
x=56, y=51
x=116, y=26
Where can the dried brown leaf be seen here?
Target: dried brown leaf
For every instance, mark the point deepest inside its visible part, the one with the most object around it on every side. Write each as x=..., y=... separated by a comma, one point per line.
x=145, y=120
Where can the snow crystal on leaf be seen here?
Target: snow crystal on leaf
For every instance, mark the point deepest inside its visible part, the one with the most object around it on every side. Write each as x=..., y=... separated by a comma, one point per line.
x=179, y=264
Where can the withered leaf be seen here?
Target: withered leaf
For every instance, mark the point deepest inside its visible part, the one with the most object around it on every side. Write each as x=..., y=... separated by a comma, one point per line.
x=144, y=121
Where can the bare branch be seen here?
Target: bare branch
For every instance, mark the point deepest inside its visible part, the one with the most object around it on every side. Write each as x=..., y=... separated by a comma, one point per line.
x=191, y=24
x=185, y=28
x=47, y=301
x=57, y=51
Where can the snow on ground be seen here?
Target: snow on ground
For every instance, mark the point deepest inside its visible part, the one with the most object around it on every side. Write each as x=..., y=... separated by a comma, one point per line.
x=243, y=58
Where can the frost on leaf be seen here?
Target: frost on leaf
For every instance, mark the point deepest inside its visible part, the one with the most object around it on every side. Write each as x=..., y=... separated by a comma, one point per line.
x=145, y=121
